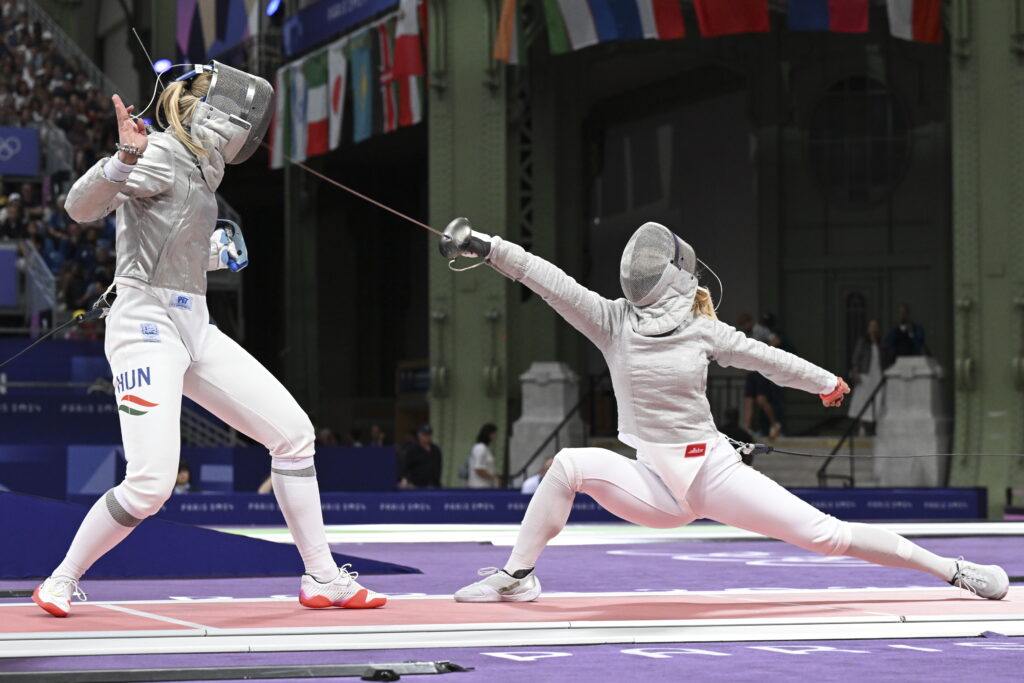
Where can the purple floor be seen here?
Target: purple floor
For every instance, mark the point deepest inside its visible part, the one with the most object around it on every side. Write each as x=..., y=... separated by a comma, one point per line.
x=637, y=567
x=620, y=568
x=968, y=659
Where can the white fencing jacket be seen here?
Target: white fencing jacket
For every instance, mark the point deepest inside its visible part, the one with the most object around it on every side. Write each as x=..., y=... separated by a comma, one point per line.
x=657, y=355
x=166, y=210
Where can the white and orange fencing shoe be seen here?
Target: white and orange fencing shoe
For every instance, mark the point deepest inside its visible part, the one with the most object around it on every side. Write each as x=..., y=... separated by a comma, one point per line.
x=55, y=593
x=341, y=592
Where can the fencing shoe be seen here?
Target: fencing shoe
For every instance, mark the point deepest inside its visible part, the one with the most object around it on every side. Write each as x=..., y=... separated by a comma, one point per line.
x=341, y=592
x=499, y=586
x=985, y=580
x=55, y=593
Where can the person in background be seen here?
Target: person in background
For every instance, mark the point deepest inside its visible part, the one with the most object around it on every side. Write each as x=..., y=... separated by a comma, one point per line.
x=866, y=373
x=757, y=389
x=183, y=484
x=733, y=430
x=325, y=437
x=530, y=485
x=481, y=460
x=355, y=438
x=376, y=436
x=421, y=468
x=906, y=338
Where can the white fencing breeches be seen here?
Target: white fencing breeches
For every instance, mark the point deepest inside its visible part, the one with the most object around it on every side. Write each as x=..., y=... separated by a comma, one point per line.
x=158, y=352
x=724, y=489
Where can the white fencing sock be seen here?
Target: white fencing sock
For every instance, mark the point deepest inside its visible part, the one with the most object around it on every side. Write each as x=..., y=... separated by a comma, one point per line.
x=298, y=495
x=545, y=518
x=105, y=525
x=882, y=546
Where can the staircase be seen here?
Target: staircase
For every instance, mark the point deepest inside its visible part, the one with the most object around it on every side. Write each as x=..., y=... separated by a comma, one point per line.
x=795, y=471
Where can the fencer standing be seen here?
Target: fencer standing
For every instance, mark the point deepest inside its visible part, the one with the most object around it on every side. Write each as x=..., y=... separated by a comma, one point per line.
x=159, y=341
x=658, y=342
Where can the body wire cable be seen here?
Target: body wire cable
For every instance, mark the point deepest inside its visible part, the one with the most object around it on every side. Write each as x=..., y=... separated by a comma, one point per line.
x=764, y=449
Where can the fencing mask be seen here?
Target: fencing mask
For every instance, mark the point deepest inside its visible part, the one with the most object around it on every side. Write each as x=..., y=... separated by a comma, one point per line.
x=651, y=261
x=246, y=100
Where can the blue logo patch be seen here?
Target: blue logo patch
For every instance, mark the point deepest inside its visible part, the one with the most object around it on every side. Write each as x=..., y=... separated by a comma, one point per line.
x=181, y=301
x=150, y=332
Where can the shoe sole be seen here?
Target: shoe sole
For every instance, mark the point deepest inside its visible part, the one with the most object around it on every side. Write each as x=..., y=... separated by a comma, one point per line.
x=360, y=600
x=48, y=606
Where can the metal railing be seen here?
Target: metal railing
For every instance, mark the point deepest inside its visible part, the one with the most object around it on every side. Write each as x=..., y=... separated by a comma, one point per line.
x=69, y=47
x=40, y=283
x=847, y=437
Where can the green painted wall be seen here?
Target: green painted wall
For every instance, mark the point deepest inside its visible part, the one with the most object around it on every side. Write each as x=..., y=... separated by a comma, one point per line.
x=988, y=243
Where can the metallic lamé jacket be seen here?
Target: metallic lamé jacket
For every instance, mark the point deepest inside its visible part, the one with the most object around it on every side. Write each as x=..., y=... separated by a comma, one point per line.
x=659, y=381
x=166, y=212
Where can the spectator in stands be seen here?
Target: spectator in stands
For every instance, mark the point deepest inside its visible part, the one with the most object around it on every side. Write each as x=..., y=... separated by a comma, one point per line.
x=906, y=338
x=30, y=202
x=355, y=438
x=481, y=460
x=183, y=484
x=71, y=285
x=376, y=436
x=325, y=437
x=530, y=485
x=422, y=466
x=732, y=429
x=12, y=219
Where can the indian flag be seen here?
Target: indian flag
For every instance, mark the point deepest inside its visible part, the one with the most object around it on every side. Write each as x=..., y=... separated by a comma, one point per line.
x=317, y=112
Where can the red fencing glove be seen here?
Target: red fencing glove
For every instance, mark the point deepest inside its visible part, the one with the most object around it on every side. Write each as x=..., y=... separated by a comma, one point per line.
x=835, y=398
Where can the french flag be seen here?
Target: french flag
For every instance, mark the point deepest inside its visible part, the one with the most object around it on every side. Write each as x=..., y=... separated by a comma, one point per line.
x=588, y=22
x=918, y=20
x=842, y=16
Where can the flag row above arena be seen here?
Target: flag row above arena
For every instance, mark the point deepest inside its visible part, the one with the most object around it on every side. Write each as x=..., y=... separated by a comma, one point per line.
x=380, y=67
x=576, y=24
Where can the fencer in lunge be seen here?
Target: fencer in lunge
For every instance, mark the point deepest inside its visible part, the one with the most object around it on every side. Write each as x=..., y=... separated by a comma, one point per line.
x=159, y=340
x=657, y=342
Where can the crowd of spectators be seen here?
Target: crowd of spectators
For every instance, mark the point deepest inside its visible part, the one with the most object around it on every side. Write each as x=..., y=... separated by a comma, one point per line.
x=39, y=87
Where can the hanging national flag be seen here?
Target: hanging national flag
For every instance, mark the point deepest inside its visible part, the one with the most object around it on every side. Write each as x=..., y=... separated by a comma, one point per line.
x=506, y=43
x=718, y=18
x=296, y=118
x=409, y=64
x=363, y=81
x=278, y=137
x=919, y=20
x=842, y=16
x=314, y=69
x=388, y=81
x=336, y=72
x=576, y=24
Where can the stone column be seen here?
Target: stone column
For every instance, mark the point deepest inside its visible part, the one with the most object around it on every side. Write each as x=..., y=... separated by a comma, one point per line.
x=550, y=391
x=912, y=422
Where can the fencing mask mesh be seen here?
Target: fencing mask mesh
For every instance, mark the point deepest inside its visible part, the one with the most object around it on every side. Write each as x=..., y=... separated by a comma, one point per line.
x=245, y=97
x=650, y=261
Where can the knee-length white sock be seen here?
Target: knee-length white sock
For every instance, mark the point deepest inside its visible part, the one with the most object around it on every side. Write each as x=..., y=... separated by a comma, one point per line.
x=544, y=519
x=298, y=495
x=882, y=546
x=105, y=525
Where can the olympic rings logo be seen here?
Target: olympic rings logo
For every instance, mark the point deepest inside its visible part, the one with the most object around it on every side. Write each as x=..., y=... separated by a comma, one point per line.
x=9, y=148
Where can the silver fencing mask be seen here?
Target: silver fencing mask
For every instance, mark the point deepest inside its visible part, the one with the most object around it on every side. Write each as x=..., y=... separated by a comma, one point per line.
x=650, y=262
x=245, y=99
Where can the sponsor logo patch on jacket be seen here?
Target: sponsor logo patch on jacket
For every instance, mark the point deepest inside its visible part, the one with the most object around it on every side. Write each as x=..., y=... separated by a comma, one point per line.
x=182, y=301
x=695, y=450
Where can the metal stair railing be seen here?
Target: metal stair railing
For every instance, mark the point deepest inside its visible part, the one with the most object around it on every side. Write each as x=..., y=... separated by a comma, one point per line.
x=197, y=430
x=847, y=437
x=68, y=47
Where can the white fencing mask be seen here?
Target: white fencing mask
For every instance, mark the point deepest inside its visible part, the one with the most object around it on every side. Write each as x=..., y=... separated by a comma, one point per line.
x=651, y=261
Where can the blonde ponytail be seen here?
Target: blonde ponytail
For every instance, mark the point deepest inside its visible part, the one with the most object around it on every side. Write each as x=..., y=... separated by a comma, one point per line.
x=176, y=106
x=702, y=304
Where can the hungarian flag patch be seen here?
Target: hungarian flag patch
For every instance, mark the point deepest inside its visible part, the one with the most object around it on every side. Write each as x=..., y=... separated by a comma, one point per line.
x=695, y=450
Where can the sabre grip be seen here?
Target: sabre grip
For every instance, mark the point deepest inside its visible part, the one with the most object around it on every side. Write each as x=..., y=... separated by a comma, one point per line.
x=459, y=239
